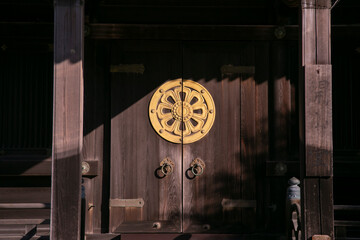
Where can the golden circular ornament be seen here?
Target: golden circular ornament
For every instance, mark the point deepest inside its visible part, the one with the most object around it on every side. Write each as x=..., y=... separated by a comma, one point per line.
x=182, y=111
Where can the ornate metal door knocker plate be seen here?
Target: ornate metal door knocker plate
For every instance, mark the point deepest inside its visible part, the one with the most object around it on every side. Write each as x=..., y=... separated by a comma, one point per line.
x=182, y=111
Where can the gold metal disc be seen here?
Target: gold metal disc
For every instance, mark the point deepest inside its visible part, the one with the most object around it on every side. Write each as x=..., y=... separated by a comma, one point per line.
x=182, y=111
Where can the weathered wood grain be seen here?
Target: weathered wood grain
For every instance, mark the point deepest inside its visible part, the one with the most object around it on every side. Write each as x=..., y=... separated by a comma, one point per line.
x=25, y=195
x=68, y=119
x=311, y=205
x=315, y=116
x=136, y=149
x=327, y=206
x=262, y=70
x=95, y=147
x=318, y=118
x=248, y=150
x=229, y=172
x=35, y=167
x=280, y=103
x=24, y=213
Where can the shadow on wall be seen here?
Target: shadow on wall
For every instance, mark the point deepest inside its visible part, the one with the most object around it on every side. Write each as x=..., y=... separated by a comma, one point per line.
x=103, y=102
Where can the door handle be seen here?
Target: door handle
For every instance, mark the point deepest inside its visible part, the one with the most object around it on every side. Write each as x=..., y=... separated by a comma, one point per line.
x=167, y=166
x=197, y=167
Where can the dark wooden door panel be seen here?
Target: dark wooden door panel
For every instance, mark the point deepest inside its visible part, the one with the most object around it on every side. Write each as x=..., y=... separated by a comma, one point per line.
x=224, y=198
x=138, y=68
x=226, y=70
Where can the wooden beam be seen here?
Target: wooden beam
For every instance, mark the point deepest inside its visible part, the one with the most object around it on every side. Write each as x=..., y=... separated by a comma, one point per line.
x=188, y=32
x=68, y=119
x=315, y=100
x=19, y=31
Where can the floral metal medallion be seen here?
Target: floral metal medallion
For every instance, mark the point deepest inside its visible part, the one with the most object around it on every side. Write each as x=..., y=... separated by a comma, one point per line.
x=182, y=111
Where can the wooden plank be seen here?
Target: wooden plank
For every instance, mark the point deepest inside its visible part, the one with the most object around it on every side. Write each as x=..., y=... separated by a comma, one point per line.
x=318, y=115
x=262, y=127
x=312, y=206
x=95, y=70
x=136, y=149
x=248, y=150
x=318, y=204
x=25, y=167
x=320, y=237
x=12, y=229
x=327, y=206
x=30, y=31
x=187, y=32
x=323, y=35
x=19, y=229
x=107, y=236
x=24, y=214
x=68, y=119
x=22, y=236
x=25, y=221
x=220, y=148
x=24, y=205
x=280, y=102
x=35, y=167
x=28, y=195
x=308, y=36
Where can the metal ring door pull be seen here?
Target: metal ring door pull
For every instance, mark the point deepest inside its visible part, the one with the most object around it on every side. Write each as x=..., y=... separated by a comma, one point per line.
x=197, y=167
x=167, y=166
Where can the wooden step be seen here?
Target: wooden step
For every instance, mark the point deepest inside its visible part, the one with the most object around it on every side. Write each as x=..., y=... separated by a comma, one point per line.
x=24, y=230
x=20, y=237
x=25, y=195
x=25, y=213
x=29, y=221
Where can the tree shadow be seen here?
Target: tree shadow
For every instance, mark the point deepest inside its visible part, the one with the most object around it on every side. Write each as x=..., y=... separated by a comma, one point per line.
x=110, y=95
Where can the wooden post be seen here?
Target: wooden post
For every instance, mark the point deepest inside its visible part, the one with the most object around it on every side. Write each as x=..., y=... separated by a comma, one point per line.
x=316, y=120
x=67, y=119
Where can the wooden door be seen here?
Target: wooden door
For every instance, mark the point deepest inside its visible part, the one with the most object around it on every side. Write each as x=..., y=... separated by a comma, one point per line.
x=140, y=200
x=223, y=198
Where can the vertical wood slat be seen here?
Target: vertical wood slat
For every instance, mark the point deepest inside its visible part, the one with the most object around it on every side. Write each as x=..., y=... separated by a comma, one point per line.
x=311, y=206
x=262, y=127
x=68, y=119
x=94, y=121
x=319, y=198
x=327, y=206
x=281, y=103
x=248, y=151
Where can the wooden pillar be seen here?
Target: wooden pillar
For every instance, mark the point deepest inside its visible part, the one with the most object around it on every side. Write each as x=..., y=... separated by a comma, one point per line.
x=67, y=120
x=316, y=119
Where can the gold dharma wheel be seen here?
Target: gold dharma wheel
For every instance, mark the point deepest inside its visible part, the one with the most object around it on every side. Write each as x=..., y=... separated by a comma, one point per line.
x=182, y=111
